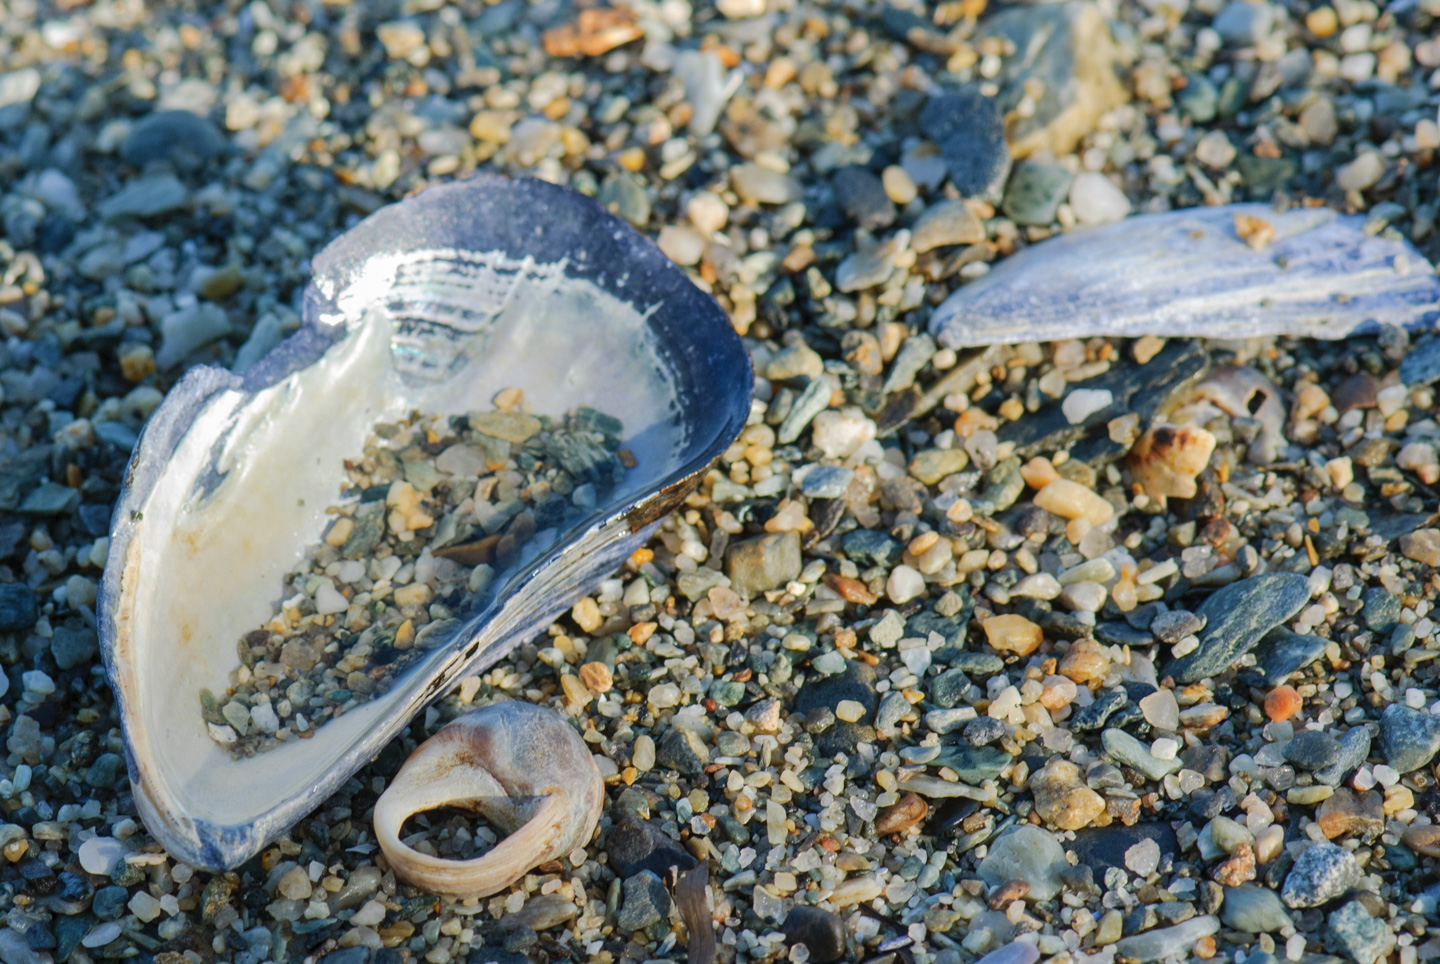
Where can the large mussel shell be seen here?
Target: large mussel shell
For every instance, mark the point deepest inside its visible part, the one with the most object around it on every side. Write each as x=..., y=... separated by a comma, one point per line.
x=431, y=304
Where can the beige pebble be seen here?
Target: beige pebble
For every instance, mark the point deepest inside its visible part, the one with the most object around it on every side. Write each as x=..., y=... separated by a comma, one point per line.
x=1013, y=634
x=1071, y=500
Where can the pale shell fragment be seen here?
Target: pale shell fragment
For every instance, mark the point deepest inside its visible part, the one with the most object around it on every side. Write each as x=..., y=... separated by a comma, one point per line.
x=520, y=766
x=1191, y=273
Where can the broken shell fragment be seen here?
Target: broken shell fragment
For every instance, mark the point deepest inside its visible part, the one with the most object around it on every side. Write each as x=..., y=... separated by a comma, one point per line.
x=1194, y=273
x=520, y=766
x=1241, y=392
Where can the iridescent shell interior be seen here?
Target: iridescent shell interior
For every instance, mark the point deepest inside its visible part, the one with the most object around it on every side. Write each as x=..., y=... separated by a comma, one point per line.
x=432, y=304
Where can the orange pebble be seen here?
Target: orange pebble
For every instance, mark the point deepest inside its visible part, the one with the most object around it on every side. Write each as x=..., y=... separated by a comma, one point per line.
x=1281, y=703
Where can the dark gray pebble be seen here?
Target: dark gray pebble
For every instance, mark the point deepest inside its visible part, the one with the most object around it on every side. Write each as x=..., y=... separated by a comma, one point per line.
x=819, y=931
x=969, y=129
x=17, y=607
x=1312, y=750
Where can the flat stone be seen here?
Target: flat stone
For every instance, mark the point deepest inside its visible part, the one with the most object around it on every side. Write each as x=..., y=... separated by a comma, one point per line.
x=944, y=224
x=1065, y=52
x=969, y=129
x=1035, y=193
x=1354, y=750
x=974, y=764
x=1254, y=910
x=1129, y=751
x=826, y=481
x=1237, y=617
x=763, y=563
x=1105, y=704
x=1155, y=945
x=1103, y=848
x=1410, y=738
x=1354, y=934
x=1322, y=873
x=1312, y=750
x=1379, y=609
x=147, y=197
x=183, y=138
x=1281, y=654
x=1026, y=853
x=819, y=931
x=188, y=329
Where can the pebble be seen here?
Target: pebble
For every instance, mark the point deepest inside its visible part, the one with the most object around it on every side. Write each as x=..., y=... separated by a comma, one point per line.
x=1236, y=617
x=18, y=607
x=1072, y=57
x=146, y=197
x=862, y=197
x=758, y=185
x=1016, y=952
x=645, y=902
x=1081, y=403
x=900, y=816
x=98, y=855
x=1173, y=626
x=1312, y=750
x=1035, y=192
x=1347, y=812
x=180, y=137
x=763, y=563
x=1011, y=633
x=946, y=224
x=1061, y=797
x=1281, y=653
x=1158, y=944
x=1353, y=933
x=1354, y=750
x=1131, y=752
x=969, y=129
x=1026, y=853
x=1243, y=23
x=817, y=930
x=1254, y=910
x=1410, y=738
x=1362, y=173
x=1096, y=200
x=1322, y=873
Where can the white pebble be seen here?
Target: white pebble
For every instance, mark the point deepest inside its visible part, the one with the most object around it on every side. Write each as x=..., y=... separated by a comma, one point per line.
x=370, y=914
x=263, y=716
x=1081, y=403
x=38, y=682
x=851, y=711
x=664, y=695
x=1385, y=775
x=101, y=935
x=99, y=854
x=328, y=600
x=1164, y=748
x=1096, y=200
x=904, y=585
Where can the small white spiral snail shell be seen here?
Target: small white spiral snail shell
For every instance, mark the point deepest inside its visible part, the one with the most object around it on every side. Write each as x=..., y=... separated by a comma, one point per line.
x=520, y=766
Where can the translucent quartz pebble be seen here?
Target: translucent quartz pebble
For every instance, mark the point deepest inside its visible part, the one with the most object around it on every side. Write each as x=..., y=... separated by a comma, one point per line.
x=1203, y=272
